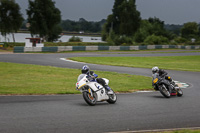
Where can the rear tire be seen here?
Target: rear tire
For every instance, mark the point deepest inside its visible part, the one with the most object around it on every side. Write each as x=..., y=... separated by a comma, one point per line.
x=164, y=91
x=112, y=98
x=89, y=99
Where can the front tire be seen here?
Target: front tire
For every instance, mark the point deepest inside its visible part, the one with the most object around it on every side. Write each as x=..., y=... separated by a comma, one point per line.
x=112, y=98
x=164, y=91
x=179, y=92
x=89, y=99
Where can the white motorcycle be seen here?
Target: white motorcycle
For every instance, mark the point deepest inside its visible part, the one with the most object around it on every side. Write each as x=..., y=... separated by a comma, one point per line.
x=94, y=92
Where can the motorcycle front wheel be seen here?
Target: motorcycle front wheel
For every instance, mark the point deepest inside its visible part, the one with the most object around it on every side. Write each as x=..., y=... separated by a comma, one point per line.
x=164, y=91
x=179, y=92
x=112, y=98
x=91, y=100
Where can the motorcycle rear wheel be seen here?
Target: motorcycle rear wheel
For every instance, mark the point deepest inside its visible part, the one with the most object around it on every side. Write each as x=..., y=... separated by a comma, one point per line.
x=164, y=91
x=89, y=99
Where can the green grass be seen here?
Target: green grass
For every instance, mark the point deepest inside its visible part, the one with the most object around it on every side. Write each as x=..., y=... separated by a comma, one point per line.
x=6, y=50
x=21, y=79
x=184, y=63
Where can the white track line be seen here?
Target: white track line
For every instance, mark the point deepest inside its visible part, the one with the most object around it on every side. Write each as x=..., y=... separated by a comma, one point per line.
x=68, y=60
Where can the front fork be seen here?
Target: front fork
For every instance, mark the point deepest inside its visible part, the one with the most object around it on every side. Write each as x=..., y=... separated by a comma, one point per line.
x=90, y=91
x=174, y=87
x=169, y=88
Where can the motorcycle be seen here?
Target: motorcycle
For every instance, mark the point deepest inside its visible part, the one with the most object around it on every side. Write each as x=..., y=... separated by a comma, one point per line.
x=166, y=88
x=94, y=92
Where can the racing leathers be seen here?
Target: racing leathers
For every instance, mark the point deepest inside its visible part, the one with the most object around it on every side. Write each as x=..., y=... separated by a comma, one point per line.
x=93, y=77
x=163, y=73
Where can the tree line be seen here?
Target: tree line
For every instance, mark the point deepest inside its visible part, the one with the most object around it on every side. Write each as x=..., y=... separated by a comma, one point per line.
x=82, y=25
x=123, y=27
x=77, y=26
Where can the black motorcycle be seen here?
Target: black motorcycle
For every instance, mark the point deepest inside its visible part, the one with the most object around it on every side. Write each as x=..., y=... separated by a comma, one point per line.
x=166, y=88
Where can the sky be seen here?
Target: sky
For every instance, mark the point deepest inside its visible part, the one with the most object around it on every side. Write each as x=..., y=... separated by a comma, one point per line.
x=169, y=11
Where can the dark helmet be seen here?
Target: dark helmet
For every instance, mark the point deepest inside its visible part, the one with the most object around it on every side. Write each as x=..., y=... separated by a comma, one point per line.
x=85, y=69
x=155, y=69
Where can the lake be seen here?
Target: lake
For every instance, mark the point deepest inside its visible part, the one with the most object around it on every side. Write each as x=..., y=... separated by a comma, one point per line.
x=20, y=37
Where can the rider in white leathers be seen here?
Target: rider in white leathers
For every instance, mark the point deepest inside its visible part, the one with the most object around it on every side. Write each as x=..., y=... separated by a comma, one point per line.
x=93, y=77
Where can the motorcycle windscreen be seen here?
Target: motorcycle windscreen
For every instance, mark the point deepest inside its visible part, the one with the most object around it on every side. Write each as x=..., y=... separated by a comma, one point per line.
x=80, y=77
x=155, y=76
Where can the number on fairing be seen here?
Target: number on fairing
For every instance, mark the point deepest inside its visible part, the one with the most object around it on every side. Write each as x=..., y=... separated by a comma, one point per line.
x=155, y=80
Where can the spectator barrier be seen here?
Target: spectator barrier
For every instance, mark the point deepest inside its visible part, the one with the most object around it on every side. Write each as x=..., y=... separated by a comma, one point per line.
x=18, y=49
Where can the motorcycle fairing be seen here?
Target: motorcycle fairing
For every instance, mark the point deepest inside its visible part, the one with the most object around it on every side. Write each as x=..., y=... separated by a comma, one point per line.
x=100, y=91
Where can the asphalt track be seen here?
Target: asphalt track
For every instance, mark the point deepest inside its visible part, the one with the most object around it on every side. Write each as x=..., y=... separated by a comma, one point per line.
x=70, y=114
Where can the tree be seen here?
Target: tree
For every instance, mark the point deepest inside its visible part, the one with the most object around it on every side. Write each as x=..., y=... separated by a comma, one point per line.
x=82, y=25
x=176, y=29
x=152, y=26
x=129, y=17
x=143, y=32
x=125, y=19
x=157, y=27
x=44, y=19
x=190, y=30
x=10, y=17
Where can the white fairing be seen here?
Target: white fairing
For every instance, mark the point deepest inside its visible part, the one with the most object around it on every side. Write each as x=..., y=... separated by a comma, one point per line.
x=100, y=91
x=96, y=87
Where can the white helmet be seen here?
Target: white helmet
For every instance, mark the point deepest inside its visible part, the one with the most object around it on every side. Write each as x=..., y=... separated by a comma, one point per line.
x=155, y=69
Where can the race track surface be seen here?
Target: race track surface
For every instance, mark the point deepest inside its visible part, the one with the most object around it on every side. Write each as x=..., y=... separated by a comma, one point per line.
x=70, y=113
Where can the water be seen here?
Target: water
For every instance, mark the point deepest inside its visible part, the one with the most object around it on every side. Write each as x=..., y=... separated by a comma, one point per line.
x=20, y=37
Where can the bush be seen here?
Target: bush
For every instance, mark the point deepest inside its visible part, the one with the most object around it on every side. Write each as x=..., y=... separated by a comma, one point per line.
x=75, y=39
x=104, y=35
x=50, y=44
x=180, y=40
x=12, y=44
x=153, y=39
x=123, y=40
x=140, y=36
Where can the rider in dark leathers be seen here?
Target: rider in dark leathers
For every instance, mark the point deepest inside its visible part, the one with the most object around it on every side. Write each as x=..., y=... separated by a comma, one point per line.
x=162, y=73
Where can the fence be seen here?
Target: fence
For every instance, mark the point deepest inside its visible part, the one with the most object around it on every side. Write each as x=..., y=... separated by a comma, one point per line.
x=18, y=49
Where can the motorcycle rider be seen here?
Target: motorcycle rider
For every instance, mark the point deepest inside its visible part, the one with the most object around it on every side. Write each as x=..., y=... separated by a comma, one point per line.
x=93, y=77
x=162, y=73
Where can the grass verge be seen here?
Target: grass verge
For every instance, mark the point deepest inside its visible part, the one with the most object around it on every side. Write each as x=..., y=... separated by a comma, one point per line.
x=184, y=63
x=183, y=131
x=22, y=79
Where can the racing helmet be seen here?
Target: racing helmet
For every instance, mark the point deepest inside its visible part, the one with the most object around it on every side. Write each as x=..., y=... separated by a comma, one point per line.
x=155, y=69
x=85, y=69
